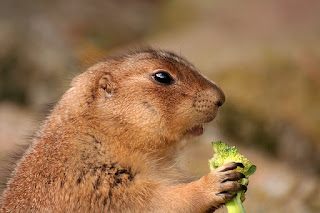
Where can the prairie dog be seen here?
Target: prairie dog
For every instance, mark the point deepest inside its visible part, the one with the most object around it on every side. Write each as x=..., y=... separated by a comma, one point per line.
x=111, y=142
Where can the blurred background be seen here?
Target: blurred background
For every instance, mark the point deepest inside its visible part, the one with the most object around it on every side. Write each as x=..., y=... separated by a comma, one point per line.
x=265, y=55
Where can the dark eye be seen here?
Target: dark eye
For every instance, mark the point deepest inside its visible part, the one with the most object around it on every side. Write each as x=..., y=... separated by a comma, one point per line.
x=163, y=77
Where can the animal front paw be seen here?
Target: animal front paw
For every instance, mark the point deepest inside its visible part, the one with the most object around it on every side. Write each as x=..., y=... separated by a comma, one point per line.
x=222, y=183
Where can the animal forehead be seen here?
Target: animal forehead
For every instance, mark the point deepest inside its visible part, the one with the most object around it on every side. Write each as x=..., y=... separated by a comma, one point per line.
x=158, y=59
x=140, y=62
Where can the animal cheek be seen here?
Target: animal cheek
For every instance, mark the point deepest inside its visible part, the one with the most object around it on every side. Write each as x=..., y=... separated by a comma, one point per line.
x=148, y=108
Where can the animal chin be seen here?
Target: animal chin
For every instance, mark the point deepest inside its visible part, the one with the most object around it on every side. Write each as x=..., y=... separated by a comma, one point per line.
x=196, y=130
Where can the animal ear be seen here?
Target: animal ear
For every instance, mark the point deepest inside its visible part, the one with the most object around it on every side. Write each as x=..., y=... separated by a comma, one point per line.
x=106, y=84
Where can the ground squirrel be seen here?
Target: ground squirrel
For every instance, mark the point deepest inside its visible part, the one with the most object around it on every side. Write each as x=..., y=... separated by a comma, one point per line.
x=111, y=142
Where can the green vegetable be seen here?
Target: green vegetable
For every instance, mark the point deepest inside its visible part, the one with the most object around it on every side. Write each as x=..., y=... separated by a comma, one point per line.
x=225, y=154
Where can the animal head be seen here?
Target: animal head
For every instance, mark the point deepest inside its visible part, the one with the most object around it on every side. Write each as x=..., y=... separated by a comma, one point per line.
x=152, y=96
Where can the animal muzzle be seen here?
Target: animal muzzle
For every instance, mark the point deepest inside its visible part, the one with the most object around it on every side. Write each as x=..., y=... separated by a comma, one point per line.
x=207, y=102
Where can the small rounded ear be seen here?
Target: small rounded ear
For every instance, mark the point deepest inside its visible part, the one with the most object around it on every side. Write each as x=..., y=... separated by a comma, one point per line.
x=106, y=84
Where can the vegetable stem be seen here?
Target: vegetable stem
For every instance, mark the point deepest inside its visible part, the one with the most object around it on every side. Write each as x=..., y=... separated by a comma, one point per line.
x=235, y=205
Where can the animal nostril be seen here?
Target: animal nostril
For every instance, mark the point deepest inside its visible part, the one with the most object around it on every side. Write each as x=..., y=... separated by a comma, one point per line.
x=219, y=104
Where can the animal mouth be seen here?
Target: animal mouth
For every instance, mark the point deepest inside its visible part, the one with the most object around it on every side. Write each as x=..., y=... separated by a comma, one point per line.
x=196, y=130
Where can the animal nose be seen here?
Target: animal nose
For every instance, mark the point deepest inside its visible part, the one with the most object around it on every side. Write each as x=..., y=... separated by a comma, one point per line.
x=220, y=97
x=209, y=99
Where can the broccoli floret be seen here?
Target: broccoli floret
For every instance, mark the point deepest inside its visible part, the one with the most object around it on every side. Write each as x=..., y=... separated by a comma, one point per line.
x=225, y=154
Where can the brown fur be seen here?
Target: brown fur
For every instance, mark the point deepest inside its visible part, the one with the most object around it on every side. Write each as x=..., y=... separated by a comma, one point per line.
x=110, y=144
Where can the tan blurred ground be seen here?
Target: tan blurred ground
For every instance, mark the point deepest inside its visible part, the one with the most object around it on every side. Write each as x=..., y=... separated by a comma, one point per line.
x=264, y=54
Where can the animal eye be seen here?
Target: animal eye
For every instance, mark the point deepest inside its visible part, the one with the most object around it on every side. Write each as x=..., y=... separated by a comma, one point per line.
x=163, y=77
